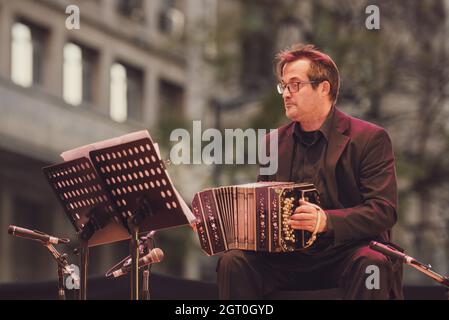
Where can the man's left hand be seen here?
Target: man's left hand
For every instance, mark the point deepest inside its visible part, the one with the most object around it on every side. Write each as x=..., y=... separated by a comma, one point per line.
x=305, y=217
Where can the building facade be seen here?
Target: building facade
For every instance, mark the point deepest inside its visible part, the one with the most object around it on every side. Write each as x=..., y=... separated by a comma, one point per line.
x=127, y=66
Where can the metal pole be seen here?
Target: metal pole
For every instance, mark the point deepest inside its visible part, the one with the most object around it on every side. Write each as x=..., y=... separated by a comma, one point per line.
x=134, y=248
x=84, y=255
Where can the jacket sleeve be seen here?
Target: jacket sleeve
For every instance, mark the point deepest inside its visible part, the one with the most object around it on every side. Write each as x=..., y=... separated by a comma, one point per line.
x=377, y=212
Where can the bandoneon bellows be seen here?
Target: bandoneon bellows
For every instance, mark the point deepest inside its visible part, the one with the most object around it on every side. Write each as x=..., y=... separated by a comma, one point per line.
x=252, y=217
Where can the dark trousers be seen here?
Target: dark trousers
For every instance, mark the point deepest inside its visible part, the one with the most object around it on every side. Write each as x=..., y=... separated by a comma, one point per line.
x=354, y=268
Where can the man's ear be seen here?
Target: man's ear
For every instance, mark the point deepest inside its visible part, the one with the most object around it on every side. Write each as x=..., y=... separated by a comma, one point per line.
x=325, y=88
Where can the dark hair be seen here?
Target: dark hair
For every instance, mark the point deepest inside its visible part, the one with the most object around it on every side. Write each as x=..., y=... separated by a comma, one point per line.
x=322, y=67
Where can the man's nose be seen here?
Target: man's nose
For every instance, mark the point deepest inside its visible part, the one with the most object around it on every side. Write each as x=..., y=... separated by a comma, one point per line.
x=286, y=93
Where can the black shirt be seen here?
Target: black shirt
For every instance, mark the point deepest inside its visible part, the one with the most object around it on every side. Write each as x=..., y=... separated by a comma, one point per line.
x=308, y=163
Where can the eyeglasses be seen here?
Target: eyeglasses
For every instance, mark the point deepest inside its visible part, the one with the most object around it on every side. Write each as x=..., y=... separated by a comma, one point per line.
x=293, y=86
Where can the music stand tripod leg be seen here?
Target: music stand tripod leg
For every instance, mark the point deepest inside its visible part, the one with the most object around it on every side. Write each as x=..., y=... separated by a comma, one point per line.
x=149, y=245
x=84, y=257
x=144, y=209
x=61, y=290
x=134, y=248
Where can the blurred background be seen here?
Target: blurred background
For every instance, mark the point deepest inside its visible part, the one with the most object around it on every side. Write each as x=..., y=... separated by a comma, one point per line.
x=160, y=64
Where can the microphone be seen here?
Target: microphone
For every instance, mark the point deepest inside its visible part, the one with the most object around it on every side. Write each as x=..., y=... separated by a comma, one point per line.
x=426, y=269
x=35, y=235
x=390, y=251
x=156, y=255
x=145, y=243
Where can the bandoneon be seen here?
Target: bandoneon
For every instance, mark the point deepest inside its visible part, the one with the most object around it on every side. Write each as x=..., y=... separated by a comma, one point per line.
x=252, y=217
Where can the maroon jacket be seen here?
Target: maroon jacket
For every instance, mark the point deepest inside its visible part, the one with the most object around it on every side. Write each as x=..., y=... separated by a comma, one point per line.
x=360, y=174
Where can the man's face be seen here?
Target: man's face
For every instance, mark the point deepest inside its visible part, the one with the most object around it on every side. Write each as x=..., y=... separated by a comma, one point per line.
x=304, y=104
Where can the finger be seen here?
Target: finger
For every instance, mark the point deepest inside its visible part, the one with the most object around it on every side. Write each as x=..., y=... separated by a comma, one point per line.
x=303, y=217
x=301, y=225
x=305, y=209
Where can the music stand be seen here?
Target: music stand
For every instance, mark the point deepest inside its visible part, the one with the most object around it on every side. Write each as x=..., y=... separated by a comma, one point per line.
x=122, y=190
x=88, y=207
x=138, y=184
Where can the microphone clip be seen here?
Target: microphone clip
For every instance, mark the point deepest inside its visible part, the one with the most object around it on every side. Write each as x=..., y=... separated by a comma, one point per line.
x=146, y=244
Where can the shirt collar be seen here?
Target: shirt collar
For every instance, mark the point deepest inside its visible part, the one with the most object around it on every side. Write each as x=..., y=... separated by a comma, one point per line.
x=326, y=126
x=324, y=129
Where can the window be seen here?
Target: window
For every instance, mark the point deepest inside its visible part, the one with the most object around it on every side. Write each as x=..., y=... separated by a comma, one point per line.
x=119, y=103
x=21, y=55
x=126, y=93
x=27, y=53
x=79, y=67
x=90, y=63
x=73, y=74
x=135, y=92
x=171, y=110
x=171, y=98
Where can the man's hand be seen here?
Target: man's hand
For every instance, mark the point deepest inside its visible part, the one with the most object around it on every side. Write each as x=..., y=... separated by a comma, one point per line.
x=306, y=215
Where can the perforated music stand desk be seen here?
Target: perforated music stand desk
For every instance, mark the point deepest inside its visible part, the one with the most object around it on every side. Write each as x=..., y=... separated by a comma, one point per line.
x=124, y=191
x=81, y=193
x=141, y=190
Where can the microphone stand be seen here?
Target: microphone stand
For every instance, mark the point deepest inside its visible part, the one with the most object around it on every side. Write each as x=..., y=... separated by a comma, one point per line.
x=148, y=246
x=427, y=270
x=392, y=251
x=145, y=283
x=61, y=259
x=63, y=268
x=145, y=244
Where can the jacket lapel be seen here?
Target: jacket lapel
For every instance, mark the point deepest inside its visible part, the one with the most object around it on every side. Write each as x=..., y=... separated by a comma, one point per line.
x=337, y=143
x=286, y=146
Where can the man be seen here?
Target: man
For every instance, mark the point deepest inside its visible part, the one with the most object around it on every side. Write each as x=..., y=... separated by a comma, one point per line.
x=352, y=165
